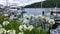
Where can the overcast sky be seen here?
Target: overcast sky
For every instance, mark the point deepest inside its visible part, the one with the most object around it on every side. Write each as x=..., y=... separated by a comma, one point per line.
x=20, y=2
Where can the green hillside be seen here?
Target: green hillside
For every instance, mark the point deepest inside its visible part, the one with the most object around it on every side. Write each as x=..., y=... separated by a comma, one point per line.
x=46, y=4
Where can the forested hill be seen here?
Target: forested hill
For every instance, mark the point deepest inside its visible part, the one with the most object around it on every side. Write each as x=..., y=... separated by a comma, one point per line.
x=46, y=4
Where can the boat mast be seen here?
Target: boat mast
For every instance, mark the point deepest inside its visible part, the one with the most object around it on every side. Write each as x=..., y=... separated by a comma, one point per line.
x=6, y=2
x=41, y=4
x=23, y=10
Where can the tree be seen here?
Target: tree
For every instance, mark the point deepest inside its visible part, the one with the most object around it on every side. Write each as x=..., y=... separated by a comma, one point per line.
x=46, y=4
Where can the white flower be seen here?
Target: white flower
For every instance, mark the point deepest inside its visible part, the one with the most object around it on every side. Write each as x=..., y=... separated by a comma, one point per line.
x=5, y=23
x=0, y=26
x=25, y=16
x=39, y=16
x=51, y=21
x=32, y=16
x=5, y=14
x=44, y=16
x=18, y=13
x=20, y=33
x=15, y=17
x=5, y=31
x=8, y=31
x=47, y=19
x=25, y=21
x=22, y=27
x=20, y=20
x=25, y=27
x=30, y=27
x=12, y=16
x=11, y=32
x=2, y=30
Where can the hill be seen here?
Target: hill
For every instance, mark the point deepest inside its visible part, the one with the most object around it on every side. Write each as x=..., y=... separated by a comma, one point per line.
x=45, y=4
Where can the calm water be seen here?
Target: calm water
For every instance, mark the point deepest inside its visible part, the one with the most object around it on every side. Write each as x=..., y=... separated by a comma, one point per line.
x=38, y=11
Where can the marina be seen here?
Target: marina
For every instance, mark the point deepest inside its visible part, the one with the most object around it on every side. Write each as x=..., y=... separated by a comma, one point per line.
x=18, y=17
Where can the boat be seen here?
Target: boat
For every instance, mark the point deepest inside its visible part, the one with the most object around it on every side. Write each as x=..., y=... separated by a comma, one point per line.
x=56, y=14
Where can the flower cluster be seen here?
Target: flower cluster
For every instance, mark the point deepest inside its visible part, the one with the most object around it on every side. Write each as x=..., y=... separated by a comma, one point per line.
x=5, y=14
x=20, y=33
x=2, y=31
x=25, y=21
x=25, y=27
x=51, y=21
x=5, y=23
x=11, y=32
x=27, y=24
x=22, y=27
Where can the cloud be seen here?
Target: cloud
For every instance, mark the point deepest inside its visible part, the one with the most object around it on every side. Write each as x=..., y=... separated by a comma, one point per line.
x=19, y=2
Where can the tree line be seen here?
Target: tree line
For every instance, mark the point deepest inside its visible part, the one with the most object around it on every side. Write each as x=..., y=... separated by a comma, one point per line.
x=45, y=4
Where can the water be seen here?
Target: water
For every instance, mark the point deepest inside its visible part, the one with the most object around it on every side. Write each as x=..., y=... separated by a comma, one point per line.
x=38, y=11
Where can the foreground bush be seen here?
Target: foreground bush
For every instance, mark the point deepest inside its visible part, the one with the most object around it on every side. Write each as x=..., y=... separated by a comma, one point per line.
x=10, y=27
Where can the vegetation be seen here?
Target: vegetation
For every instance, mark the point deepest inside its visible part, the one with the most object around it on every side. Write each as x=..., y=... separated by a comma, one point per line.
x=46, y=4
x=11, y=27
x=29, y=24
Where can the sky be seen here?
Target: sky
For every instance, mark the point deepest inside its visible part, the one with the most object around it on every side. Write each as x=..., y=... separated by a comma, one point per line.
x=19, y=2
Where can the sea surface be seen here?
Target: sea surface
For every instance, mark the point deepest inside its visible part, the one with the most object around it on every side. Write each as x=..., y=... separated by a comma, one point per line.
x=38, y=11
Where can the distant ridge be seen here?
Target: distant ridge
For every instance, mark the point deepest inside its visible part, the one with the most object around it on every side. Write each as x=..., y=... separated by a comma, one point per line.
x=46, y=4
